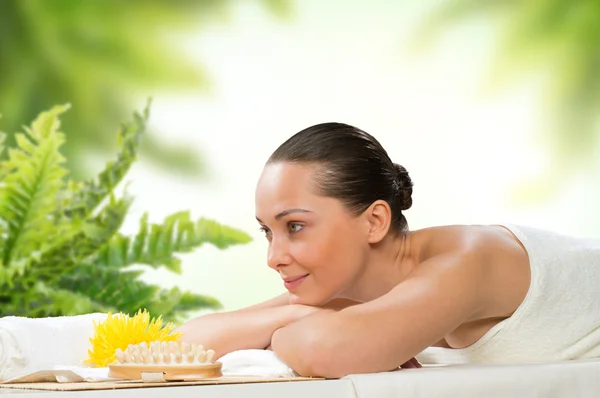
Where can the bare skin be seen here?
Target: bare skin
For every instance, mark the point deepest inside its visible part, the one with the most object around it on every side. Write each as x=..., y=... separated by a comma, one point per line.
x=392, y=294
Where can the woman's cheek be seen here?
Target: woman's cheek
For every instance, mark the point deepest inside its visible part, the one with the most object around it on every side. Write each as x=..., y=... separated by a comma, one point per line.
x=312, y=254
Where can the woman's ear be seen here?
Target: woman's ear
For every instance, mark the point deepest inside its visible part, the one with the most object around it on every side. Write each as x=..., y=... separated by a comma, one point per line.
x=379, y=217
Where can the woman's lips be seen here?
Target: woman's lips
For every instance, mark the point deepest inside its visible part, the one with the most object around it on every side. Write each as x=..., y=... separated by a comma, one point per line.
x=292, y=283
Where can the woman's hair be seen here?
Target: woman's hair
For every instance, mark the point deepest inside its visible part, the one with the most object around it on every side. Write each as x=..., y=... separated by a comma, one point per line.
x=354, y=168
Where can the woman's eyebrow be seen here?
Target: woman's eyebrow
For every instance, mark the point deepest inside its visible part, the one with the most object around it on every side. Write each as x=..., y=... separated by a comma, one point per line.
x=286, y=212
x=290, y=211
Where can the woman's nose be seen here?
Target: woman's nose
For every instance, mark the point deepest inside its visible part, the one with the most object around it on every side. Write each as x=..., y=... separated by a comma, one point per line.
x=278, y=254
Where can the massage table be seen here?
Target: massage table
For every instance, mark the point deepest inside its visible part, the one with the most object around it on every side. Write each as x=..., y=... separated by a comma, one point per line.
x=560, y=379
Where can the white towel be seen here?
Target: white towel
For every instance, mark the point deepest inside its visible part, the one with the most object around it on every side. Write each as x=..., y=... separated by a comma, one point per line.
x=260, y=363
x=557, y=379
x=559, y=318
x=246, y=363
x=63, y=374
x=28, y=345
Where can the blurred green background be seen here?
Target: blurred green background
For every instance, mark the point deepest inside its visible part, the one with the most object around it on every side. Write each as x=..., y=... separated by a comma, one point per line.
x=101, y=56
x=491, y=105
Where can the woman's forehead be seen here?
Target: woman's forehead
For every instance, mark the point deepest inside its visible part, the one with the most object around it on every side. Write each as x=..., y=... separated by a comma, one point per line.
x=284, y=179
x=285, y=186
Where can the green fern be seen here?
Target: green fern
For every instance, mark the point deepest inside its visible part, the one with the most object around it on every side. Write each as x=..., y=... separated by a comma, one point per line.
x=29, y=191
x=88, y=195
x=3, y=170
x=123, y=291
x=92, y=236
x=61, y=252
x=156, y=244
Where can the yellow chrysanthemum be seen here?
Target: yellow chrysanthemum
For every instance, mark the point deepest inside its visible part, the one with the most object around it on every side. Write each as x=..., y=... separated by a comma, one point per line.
x=118, y=331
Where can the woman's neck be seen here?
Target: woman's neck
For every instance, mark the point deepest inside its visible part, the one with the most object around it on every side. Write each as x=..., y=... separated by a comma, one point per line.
x=389, y=262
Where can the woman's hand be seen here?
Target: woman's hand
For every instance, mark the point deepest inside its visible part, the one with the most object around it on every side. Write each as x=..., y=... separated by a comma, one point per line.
x=412, y=363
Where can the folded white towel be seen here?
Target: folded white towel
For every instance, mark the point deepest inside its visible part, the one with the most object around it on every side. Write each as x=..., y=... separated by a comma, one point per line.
x=28, y=345
x=35, y=349
x=247, y=363
x=260, y=363
x=63, y=374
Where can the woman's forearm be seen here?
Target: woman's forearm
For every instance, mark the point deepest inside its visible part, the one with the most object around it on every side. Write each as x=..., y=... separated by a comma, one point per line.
x=238, y=330
x=296, y=342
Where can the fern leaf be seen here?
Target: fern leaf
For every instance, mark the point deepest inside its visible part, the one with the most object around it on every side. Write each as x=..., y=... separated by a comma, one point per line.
x=97, y=232
x=61, y=302
x=221, y=236
x=42, y=300
x=188, y=302
x=29, y=190
x=85, y=197
x=123, y=291
x=3, y=225
x=111, y=287
x=4, y=276
x=175, y=304
x=3, y=170
x=156, y=244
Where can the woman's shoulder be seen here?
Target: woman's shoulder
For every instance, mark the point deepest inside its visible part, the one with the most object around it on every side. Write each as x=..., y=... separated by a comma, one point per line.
x=463, y=239
x=488, y=256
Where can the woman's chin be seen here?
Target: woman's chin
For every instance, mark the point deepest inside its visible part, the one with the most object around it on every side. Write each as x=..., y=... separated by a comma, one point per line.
x=311, y=300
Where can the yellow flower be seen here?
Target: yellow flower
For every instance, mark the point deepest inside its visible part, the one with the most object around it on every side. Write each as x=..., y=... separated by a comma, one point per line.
x=118, y=331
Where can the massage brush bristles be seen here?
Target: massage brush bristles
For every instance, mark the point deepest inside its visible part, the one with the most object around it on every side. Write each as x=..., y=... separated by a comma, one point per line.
x=164, y=361
x=164, y=353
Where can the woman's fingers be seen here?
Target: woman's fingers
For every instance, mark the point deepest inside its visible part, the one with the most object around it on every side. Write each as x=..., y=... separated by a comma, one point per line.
x=412, y=363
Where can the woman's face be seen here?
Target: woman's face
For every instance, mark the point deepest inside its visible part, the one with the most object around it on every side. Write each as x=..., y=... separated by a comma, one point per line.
x=316, y=245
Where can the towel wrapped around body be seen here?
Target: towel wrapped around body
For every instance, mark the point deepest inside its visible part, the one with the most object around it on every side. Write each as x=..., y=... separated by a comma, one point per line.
x=558, y=320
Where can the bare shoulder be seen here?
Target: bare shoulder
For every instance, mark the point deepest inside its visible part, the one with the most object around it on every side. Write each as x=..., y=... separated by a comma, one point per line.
x=455, y=291
x=489, y=264
x=466, y=239
x=444, y=290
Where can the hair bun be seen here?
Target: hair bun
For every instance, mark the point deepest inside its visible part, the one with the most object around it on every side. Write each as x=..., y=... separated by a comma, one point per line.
x=405, y=187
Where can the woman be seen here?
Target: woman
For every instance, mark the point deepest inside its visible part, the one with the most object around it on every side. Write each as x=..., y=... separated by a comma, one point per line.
x=366, y=294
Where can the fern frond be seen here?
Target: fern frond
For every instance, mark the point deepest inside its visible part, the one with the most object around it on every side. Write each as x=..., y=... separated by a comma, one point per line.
x=219, y=235
x=123, y=291
x=175, y=304
x=2, y=141
x=62, y=302
x=29, y=190
x=113, y=288
x=84, y=197
x=181, y=303
x=156, y=244
x=43, y=300
x=62, y=238
x=95, y=233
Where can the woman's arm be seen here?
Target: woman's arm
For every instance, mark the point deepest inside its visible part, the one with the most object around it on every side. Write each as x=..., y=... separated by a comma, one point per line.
x=243, y=329
x=284, y=299
x=382, y=334
x=278, y=301
x=250, y=327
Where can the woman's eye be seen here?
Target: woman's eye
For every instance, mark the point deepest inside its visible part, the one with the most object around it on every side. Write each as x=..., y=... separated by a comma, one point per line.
x=294, y=227
x=265, y=231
